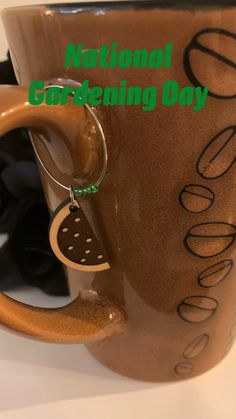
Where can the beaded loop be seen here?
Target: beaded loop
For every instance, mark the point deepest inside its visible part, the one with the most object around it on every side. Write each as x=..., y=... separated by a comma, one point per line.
x=86, y=190
x=77, y=190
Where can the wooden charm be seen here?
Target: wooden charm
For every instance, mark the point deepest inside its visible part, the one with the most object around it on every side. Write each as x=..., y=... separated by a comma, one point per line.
x=73, y=240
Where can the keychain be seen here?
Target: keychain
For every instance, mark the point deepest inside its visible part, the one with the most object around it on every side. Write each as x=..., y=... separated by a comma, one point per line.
x=71, y=236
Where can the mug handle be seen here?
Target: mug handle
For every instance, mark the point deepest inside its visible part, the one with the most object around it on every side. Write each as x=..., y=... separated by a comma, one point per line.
x=89, y=317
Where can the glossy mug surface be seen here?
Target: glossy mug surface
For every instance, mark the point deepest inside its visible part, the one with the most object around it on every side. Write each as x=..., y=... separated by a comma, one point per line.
x=166, y=207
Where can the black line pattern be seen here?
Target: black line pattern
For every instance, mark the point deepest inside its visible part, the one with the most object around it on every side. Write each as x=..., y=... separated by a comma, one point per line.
x=196, y=198
x=197, y=346
x=219, y=154
x=209, y=239
x=197, y=309
x=195, y=44
x=215, y=274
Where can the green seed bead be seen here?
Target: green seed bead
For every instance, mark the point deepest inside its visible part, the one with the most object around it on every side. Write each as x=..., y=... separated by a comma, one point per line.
x=85, y=191
x=77, y=191
x=94, y=188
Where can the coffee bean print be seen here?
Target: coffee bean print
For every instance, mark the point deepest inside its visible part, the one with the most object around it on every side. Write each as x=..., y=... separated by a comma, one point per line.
x=215, y=274
x=219, y=155
x=209, y=61
x=209, y=239
x=197, y=346
x=197, y=309
x=196, y=198
x=184, y=368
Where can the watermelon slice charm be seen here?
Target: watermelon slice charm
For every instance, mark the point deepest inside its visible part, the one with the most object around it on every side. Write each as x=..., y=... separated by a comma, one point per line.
x=73, y=241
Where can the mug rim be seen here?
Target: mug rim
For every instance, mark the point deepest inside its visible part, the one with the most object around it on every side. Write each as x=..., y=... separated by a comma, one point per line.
x=92, y=4
x=146, y=4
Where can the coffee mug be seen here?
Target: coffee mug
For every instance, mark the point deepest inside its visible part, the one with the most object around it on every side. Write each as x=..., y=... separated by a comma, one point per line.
x=165, y=310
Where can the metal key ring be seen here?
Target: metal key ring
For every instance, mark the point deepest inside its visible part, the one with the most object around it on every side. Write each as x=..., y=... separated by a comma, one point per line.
x=101, y=177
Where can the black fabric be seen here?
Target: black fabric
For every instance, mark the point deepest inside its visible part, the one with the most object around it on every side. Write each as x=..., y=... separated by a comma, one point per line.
x=26, y=257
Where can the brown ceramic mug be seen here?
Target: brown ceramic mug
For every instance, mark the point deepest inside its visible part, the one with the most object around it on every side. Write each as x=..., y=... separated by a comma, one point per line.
x=166, y=207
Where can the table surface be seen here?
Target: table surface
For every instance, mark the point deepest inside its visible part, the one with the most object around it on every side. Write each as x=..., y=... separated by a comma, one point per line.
x=43, y=380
